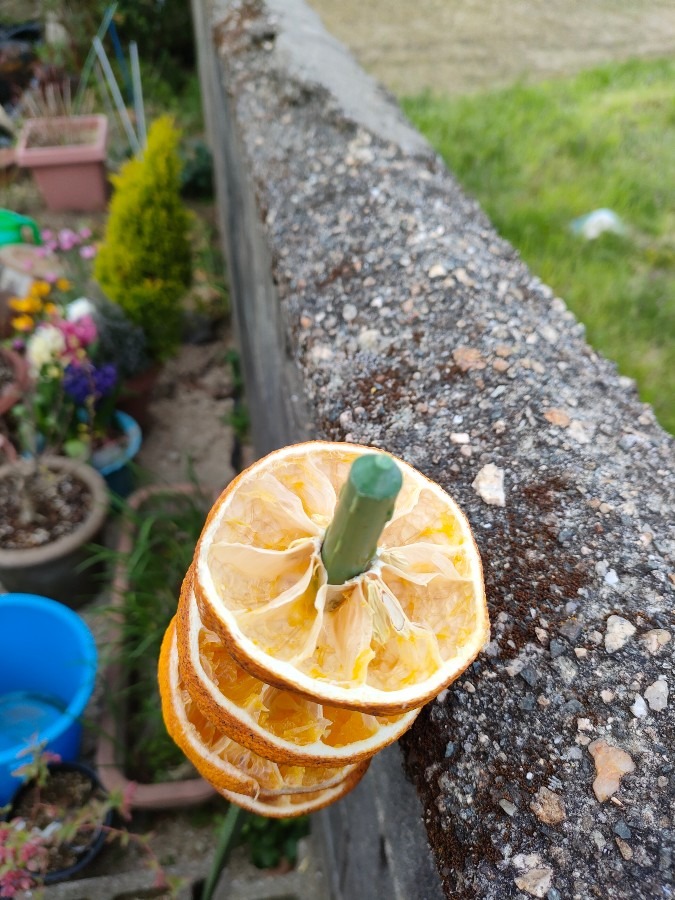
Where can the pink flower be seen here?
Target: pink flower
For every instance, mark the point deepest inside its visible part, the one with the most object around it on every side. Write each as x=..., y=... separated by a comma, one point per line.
x=79, y=333
x=68, y=238
x=85, y=233
x=52, y=246
x=41, y=251
x=88, y=251
x=47, y=234
x=51, y=277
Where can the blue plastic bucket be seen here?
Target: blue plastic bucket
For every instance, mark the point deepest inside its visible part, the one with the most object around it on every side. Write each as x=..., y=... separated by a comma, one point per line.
x=48, y=664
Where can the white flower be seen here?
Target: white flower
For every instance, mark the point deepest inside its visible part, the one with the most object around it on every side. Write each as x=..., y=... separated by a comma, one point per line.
x=44, y=346
x=78, y=308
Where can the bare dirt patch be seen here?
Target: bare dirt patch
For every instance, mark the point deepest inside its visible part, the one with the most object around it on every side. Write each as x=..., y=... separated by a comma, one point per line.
x=457, y=47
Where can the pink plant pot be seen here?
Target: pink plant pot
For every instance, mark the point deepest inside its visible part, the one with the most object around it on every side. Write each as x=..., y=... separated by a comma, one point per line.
x=71, y=176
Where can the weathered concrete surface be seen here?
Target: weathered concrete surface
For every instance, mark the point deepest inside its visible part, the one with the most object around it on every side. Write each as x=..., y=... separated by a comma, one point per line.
x=376, y=303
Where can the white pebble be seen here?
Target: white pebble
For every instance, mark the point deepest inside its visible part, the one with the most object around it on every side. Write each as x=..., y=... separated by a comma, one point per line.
x=619, y=631
x=657, y=695
x=489, y=485
x=639, y=707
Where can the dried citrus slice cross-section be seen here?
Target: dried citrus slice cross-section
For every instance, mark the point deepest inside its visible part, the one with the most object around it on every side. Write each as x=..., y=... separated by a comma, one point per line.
x=384, y=642
x=289, y=805
x=278, y=724
x=220, y=759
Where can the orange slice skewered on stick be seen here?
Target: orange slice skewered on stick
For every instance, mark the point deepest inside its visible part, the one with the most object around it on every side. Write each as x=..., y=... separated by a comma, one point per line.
x=278, y=724
x=383, y=643
x=221, y=760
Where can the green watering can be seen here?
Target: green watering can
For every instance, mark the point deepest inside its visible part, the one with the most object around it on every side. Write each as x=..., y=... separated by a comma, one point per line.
x=12, y=228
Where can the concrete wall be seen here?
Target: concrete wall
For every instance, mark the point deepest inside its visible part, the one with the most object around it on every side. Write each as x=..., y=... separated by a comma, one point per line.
x=375, y=303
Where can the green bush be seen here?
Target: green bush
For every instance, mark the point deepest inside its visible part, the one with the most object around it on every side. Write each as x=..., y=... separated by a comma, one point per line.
x=144, y=264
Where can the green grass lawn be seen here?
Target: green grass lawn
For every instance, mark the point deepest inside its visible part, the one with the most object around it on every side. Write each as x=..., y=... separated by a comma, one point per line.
x=538, y=157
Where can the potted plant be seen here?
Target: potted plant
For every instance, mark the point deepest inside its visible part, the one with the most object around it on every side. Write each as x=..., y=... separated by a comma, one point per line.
x=51, y=502
x=159, y=531
x=144, y=263
x=66, y=153
x=57, y=823
x=51, y=507
x=120, y=341
x=70, y=407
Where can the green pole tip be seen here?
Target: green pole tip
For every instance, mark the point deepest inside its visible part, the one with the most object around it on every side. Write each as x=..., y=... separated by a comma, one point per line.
x=365, y=506
x=376, y=476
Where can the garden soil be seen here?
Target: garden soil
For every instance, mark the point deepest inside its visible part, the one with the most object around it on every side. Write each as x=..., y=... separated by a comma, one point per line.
x=190, y=437
x=460, y=46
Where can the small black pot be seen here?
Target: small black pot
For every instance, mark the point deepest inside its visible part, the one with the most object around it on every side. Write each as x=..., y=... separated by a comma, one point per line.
x=92, y=849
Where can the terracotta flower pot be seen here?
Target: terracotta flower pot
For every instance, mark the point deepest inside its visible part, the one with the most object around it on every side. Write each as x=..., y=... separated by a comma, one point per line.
x=162, y=795
x=52, y=569
x=11, y=393
x=71, y=176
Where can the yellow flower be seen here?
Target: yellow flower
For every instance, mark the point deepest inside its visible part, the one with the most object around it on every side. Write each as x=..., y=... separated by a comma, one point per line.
x=30, y=305
x=54, y=372
x=51, y=309
x=62, y=284
x=40, y=288
x=23, y=323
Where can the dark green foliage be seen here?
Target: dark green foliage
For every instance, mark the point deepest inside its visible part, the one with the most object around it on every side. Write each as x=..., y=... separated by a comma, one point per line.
x=197, y=173
x=269, y=841
x=165, y=531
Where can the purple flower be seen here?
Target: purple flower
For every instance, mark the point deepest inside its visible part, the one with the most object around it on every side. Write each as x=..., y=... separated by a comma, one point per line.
x=18, y=345
x=87, y=381
x=88, y=251
x=85, y=233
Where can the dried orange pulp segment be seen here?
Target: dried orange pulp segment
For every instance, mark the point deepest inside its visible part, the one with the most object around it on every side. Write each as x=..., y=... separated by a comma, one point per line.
x=406, y=628
x=221, y=760
x=290, y=805
x=278, y=724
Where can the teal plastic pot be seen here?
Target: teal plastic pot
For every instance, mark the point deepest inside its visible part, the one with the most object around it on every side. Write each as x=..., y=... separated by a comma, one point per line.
x=117, y=473
x=47, y=674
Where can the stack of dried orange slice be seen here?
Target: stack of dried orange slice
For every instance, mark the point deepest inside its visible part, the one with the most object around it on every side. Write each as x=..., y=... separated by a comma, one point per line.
x=280, y=687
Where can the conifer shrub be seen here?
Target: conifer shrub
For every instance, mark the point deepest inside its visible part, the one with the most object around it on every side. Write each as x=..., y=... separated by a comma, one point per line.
x=144, y=264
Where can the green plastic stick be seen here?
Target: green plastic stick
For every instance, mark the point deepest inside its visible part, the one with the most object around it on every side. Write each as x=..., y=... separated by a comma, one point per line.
x=229, y=831
x=365, y=506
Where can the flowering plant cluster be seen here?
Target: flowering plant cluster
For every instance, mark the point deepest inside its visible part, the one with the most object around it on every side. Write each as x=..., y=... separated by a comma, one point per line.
x=73, y=392
x=72, y=250
x=31, y=842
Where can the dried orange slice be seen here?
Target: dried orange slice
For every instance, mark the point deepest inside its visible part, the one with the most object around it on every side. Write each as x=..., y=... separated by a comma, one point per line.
x=289, y=805
x=226, y=764
x=386, y=641
x=277, y=724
